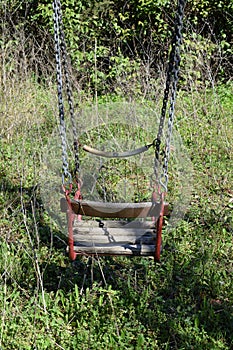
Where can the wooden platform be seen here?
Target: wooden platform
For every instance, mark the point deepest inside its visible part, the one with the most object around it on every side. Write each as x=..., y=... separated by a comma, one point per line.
x=114, y=238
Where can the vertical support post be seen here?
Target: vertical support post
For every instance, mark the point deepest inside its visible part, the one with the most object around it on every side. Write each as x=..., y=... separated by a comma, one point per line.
x=158, y=243
x=70, y=219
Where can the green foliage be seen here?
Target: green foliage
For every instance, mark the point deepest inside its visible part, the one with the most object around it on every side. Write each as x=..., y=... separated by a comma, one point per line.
x=183, y=302
x=102, y=34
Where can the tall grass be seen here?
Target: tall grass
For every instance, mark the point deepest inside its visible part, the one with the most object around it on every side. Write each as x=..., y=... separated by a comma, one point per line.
x=47, y=302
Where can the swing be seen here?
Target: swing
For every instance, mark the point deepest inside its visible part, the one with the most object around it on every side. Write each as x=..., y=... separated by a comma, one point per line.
x=115, y=228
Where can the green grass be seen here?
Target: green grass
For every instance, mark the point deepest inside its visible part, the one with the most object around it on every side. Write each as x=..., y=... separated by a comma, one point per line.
x=185, y=302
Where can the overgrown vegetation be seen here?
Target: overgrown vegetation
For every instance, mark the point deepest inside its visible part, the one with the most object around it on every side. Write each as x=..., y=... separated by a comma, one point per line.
x=123, y=41
x=184, y=302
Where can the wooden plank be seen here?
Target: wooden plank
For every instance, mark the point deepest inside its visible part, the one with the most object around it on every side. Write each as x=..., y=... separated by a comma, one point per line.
x=114, y=224
x=97, y=236
x=97, y=241
x=98, y=231
x=117, y=249
x=117, y=210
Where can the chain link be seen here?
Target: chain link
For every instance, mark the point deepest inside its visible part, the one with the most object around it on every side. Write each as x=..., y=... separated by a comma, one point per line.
x=61, y=62
x=66, y=174
x=69, y=92
x=171, y=84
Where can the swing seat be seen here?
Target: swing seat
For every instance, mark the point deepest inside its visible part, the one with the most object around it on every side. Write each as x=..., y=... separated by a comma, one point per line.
x=114, y=237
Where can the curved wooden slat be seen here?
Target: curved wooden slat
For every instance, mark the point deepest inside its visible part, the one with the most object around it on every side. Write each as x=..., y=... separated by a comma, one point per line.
x=125, y=154
x=117, y=210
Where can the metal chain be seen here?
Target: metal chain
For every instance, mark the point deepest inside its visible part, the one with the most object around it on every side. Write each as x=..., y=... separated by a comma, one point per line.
x=175, y=74
x=66, y=174
x=163, y=112
x=171, y=84
x=68, y=91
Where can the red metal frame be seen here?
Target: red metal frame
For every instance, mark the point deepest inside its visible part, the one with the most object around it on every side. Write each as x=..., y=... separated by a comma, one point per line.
x=158, y=244
x=70, y=219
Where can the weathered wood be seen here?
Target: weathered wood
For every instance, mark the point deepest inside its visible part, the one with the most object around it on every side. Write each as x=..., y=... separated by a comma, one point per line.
x=114, y=224
x=117, y=249
x=125, y=154
x=99, y=241
x=117, y=210
x=100, y=236
x=114, y=210
x=98, y=231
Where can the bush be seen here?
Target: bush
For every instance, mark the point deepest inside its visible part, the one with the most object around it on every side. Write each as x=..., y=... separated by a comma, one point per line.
x=102, y=35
